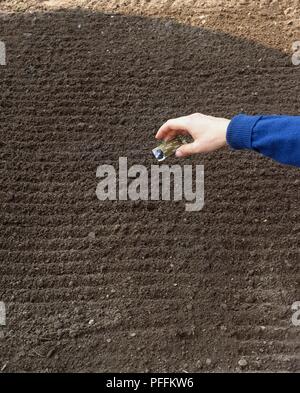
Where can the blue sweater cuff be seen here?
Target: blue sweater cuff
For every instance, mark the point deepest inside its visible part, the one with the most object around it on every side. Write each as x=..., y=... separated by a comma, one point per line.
x=239, y=131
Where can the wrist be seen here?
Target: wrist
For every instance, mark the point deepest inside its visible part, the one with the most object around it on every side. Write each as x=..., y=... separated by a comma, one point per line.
x=224, y=123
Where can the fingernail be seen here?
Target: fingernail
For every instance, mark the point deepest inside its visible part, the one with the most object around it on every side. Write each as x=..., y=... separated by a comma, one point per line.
x=178, y=153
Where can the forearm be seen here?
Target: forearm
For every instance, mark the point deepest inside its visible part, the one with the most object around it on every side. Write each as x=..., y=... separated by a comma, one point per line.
x=277, y=137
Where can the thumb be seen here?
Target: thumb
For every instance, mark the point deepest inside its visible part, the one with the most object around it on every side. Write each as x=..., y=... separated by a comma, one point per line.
x=187, y=150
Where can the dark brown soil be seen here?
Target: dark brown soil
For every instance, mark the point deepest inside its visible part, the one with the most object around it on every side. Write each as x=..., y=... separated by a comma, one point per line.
x=158, y=288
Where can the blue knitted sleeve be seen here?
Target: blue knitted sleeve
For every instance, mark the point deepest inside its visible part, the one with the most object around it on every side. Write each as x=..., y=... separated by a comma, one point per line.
x=274, y=136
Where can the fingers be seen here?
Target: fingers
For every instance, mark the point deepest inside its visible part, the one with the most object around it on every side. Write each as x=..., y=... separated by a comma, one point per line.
x=188, y=149
x=172, y=134
x=172, y=128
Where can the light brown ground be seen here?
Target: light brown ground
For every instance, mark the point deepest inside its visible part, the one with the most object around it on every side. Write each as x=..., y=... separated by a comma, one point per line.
x=272, y=22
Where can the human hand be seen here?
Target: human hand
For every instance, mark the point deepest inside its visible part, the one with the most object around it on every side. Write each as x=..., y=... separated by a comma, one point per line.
x=208, y=132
